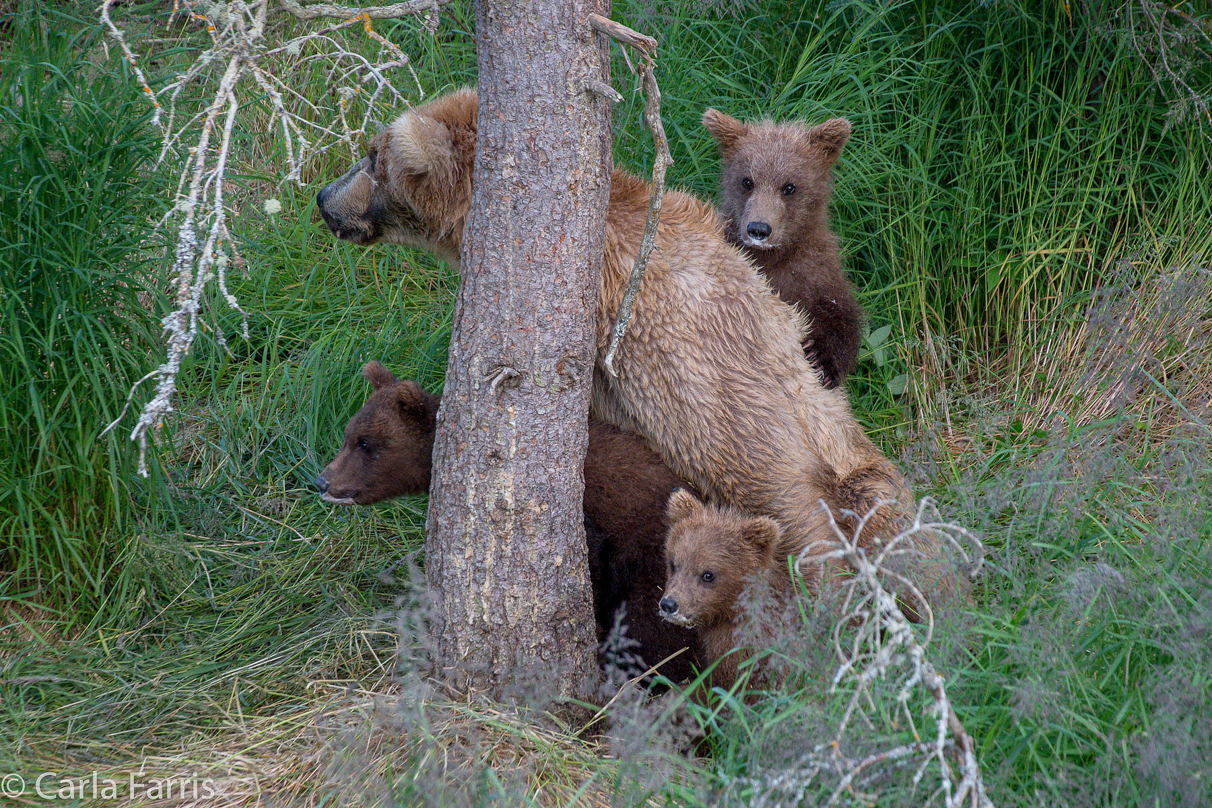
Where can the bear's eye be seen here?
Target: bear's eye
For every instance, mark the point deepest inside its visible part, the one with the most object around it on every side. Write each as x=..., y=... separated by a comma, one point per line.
x=672, y=567
x=747, y=184
x=708, y=576
x=789, y=189
x=364, y=444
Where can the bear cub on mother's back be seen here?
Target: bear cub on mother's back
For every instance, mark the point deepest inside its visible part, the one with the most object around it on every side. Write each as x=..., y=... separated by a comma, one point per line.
x=387, y=453
x=775, y=188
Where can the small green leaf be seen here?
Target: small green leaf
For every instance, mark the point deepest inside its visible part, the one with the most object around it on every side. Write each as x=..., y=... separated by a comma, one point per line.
x=879, y=336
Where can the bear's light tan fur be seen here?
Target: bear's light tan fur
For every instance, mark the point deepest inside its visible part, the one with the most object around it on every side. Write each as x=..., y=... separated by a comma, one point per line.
x=711, y=370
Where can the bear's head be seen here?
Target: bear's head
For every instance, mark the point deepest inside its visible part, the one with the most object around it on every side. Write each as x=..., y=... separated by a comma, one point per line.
x=711, y=553
x=414, y=185
x=775, y=180
x=388, y=444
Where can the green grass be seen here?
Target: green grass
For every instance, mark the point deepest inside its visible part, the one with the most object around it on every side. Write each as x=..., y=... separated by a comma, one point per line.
x=1025, y=233
x=75, y=193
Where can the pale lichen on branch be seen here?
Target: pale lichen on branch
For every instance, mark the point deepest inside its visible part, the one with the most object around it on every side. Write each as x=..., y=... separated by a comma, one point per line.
x=240, y=69
x=884, y=647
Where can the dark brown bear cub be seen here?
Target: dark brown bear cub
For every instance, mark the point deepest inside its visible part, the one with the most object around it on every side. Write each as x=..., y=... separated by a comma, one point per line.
x=775, y=189
x=387, y=453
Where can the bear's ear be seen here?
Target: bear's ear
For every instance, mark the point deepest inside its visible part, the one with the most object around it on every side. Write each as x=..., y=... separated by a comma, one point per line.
x=763, y=533
x=726, y=130
x=681, y=504
x=410, y=396
x=422, y=145
x=378, y=376
x=826, y=140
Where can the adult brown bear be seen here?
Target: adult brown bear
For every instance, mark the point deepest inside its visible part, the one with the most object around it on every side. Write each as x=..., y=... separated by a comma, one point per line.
x=711, y=372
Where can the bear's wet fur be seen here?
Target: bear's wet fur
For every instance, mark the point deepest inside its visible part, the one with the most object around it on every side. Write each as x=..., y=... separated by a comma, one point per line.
x=387, y=453
x=775, y=188
x=711, y=372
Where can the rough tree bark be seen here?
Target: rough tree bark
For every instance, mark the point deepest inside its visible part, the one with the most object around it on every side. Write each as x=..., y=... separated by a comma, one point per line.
x=505, y=546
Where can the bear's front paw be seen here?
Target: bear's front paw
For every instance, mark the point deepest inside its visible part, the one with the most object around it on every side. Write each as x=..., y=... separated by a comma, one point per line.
x=825, y=368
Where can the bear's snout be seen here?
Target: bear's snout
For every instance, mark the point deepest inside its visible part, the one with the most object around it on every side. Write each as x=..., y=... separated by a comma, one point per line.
x=322, y=206
x=758, y=231
x=347, y=205
x=323, y=484
x=668, y=605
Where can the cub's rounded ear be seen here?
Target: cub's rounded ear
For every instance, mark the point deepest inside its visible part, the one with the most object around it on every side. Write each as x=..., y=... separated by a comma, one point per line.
x=681, y=504
x=378, y=376
x=827, y=139
x=421, y=145
x=410, y=396
x=726, y=130
x=763, y=533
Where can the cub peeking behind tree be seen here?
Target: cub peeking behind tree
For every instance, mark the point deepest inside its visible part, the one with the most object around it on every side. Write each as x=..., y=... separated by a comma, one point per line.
x=387, y=453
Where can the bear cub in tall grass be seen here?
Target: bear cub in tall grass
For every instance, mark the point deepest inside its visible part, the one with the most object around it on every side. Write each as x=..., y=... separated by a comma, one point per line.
x=713, y=554
x=775, y=188
x=387, y=453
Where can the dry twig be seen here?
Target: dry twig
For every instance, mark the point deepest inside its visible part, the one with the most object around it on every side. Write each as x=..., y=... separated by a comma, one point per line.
x=646, y=46
x=240, y=55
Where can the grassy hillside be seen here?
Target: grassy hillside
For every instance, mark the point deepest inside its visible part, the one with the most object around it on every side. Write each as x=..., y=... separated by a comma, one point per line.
x=1024, y=208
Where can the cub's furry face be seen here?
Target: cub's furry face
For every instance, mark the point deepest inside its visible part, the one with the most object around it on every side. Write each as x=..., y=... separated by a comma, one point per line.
x=711, y=553
x=388, y=444
x=775, y=178
x=414, y=185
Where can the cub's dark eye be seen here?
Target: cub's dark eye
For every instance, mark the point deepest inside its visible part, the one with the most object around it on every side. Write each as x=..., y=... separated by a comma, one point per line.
x=747, y=184
x=363, y=444
x=708, y=576
x=672, y=567
x=789, y=189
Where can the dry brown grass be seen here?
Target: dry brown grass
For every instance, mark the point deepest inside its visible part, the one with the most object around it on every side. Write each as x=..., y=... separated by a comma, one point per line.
x=1143, y=350
x=350, y=746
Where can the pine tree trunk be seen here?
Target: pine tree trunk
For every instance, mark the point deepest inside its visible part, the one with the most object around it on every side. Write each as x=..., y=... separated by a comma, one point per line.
x=505, y=549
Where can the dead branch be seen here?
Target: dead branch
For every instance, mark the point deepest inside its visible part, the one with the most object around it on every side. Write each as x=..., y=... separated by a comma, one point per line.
x=886, y=647
x=201, y=144
x=646, y=46
x=394, y=11
x=886, y=641
x=620, y=33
